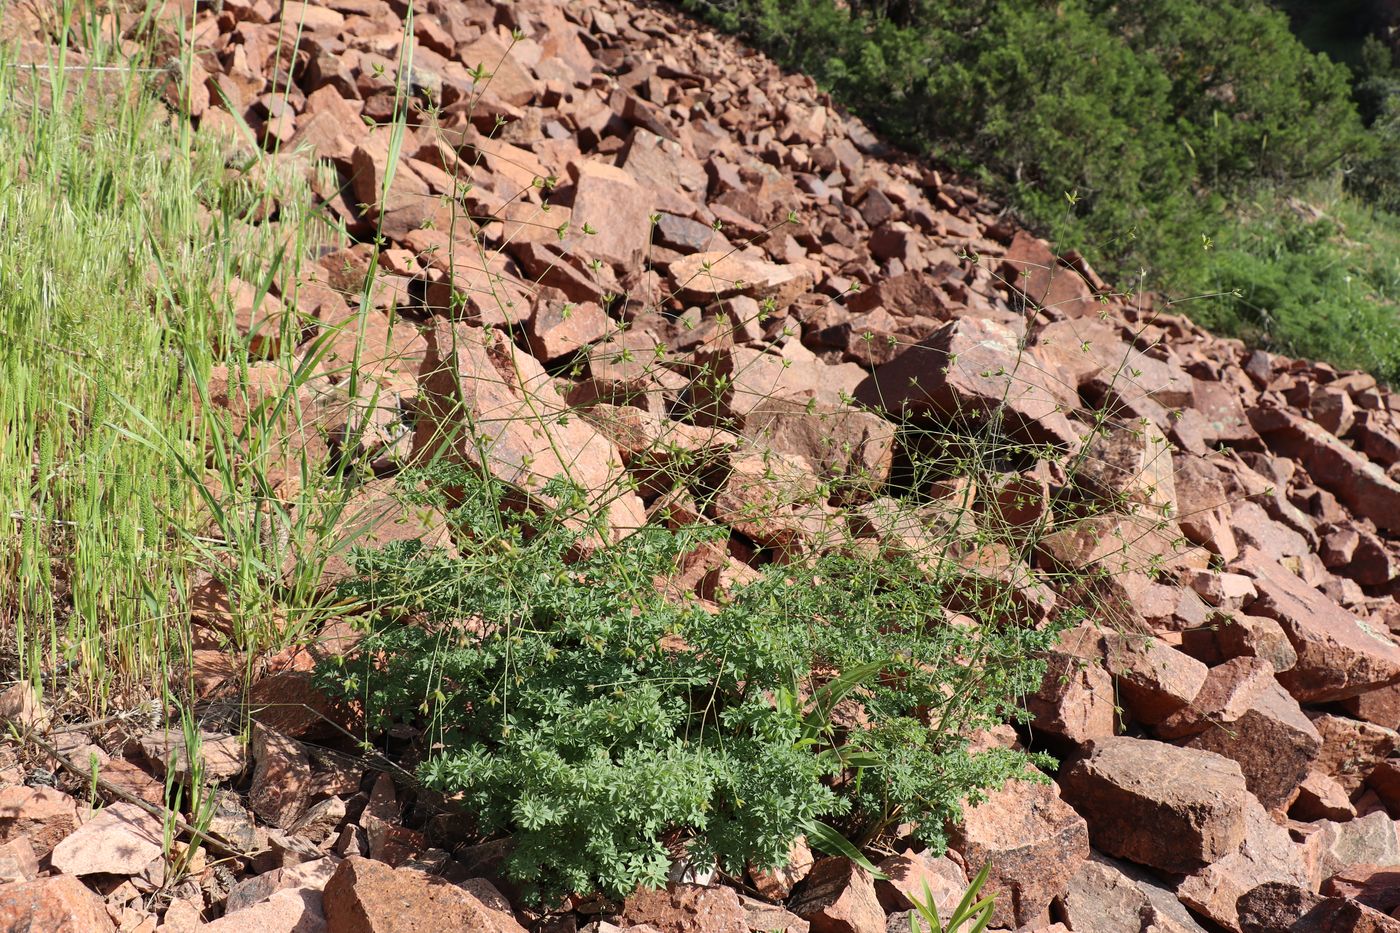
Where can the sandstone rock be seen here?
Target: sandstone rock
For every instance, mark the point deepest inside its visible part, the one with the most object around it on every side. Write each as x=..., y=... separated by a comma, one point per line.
x=1366, y=840
x=770, y=918
x=1320, y=797
x=1241, y=636
x=291, y=910
x=1243, y=714
x=1108, y=896
x=916, y=877
x=491, y=405
x=712, y=276
x=777, y=883
x=17, y=861
x=681, y=908
x=1375, y=886
x=281, y=779
x=1075, y=700
x=1267, y=854
x=1033, y=841
x=1154, y=679
x=1361, y=485
x=120, y=840
x=59, y=904
x=1171, y=808
x=43, y=815
x=20, y=705
x=1351, y=749
x=365, y=896
x=1131, y=466
x=308, y=876
x=974, y=369
x=1338, y=655
x=220, y=756
x=838, y=897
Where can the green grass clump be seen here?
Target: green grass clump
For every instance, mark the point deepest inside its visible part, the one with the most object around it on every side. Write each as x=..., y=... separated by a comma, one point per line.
x=119, y=225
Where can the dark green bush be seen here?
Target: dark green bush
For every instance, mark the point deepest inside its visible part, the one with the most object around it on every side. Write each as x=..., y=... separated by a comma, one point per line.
x=1136, y=131
x=605, y=728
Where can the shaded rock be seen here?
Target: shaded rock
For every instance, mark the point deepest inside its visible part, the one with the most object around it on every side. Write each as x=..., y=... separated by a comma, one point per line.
x=777, y=883
x=682, y=908
x=974, y=369
x=281, y=778
x=1320, y=797
x=1159, y=805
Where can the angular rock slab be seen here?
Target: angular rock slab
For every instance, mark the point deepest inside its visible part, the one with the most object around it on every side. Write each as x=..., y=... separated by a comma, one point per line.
x=1034, y=843
x=1171, y=808
x=1338, y=655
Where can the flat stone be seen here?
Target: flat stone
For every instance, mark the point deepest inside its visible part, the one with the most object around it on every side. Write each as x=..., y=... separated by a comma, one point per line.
x=120, y=840
x=685, y=908
x=365, y=896
x=1339, y=656
x=58, y=904
x=43, y=815
x=221, y=757
x=1171, y=808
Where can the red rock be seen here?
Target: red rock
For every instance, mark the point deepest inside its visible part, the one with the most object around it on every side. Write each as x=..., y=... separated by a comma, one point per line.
x=1358, y=483
x=1033, y=841
x=17, y=861
x=1320, y=797
x=20, y=704
x=1107, y=896
x=291, y=910
x=777, y=883
x=1351, y=749
x=1045, y=282
x=838, y=897
x=975, y=369
x=1171, y=808
x=1243, y=714
x=120, y=840
x=1267, y=854
x=683, y=908
x=309, y=876
x=43, y=815
x=1154, y=679
x=769, y=918
x=716, y=275
x=916, y=877
x=1130, y=466
x=220, y=756
x=1376, y=886
x=1366, y=840
x=492, y=405
x=365, y=896
x=1075, y=701
x=281, y=779
x=288, y=702
x=1338, y=656
x=609, y=202
x=558, y=327
x=59, y=904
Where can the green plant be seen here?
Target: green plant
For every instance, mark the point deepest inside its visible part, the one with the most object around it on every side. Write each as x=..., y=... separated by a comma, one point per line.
x=970, y=914
x=606, y=728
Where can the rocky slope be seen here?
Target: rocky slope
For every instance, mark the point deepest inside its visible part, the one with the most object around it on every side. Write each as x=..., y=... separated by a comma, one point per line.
x=1226, y=723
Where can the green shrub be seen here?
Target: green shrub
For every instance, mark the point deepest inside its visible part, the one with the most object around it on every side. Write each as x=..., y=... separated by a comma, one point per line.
x=604, y=727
